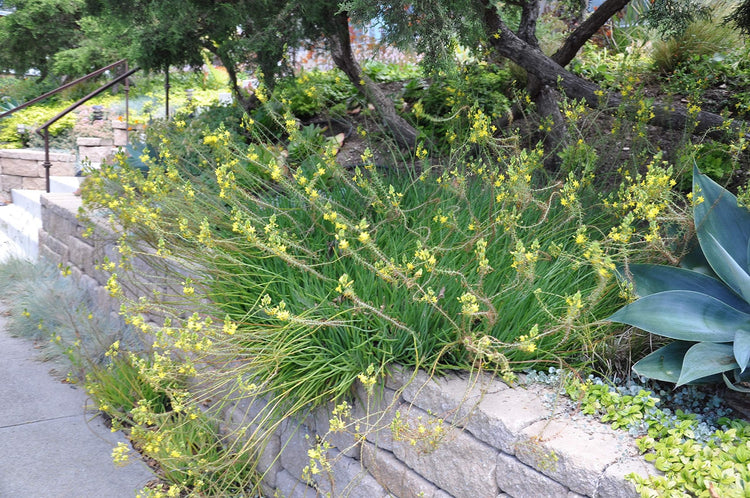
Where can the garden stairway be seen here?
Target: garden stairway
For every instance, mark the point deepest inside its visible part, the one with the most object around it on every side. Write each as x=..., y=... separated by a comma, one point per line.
x=21, y=219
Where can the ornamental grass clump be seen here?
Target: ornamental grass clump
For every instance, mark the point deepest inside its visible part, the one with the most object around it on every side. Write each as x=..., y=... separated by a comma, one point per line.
x=283, y=277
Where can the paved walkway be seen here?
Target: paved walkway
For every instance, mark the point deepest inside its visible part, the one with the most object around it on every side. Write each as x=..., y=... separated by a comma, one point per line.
x=50, y=445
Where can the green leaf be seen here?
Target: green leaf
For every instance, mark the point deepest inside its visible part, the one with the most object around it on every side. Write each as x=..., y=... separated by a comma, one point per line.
x=742, y=348
x=665, y=363
x=726, y=267
x=652, y=279
x=684, y=315
x=720, y=216
x=704, y=360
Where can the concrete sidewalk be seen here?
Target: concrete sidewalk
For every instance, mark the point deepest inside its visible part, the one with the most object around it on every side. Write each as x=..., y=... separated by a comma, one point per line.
x=50, y=445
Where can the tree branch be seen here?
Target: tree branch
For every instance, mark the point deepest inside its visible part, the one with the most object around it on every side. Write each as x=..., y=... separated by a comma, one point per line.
x=586, y=30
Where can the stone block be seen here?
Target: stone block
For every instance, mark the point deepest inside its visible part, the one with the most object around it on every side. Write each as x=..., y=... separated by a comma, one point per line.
x=57, y=251
x=21, y=167
x=61, y=168
x=289, y=487
x=46, y=254
x=343, y=441
x=375, y=415
x=241, y=415
x=296, y=440
x=81, y=254
x=95, y=155
x=394, y=475
x=486, y=407
x=574, y=453
x=94, y=142
x=520, y=481
x=503, y=413
x=10, y=182
x=34, y=183
x=613, y=483
x=348, y=478
x=440, y=463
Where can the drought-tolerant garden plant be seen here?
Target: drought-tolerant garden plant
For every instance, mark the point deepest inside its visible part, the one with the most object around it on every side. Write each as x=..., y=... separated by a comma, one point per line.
x=705, y=307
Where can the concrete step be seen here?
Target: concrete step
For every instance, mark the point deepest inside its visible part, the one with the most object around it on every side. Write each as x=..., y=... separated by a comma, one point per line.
x=21, y=228
x=8, y=248
x=28, y=200
x=65, y=184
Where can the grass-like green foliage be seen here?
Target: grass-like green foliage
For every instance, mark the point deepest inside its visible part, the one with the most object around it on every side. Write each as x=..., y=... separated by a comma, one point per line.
x=313, y=272
x=703, y=37
x=705, y=308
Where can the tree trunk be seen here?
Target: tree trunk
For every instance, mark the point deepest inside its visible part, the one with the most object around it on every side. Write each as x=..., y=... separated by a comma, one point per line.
x=546, y=97
x=248, y=103
x=552, y=74
x=341, y=51
x=586, y=30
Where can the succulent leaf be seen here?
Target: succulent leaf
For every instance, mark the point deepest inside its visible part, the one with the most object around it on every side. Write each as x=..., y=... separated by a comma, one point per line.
x=706, y=309
x=720, y=216
x=742, y=348
x=684, y=315
x=652, y=279
x=665, y=363
x=705, y=359
x=728, y=268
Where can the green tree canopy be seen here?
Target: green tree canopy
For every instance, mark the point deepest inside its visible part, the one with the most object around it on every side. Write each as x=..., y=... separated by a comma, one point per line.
x=35, y=31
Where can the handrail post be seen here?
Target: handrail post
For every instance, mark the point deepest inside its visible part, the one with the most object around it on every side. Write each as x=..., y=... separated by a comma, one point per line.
x=166, y=93
x=127, y=107
x=47, y=164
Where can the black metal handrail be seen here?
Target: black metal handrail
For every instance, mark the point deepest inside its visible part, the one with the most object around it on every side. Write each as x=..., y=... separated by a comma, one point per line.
x=43, y=130
x=65, y=87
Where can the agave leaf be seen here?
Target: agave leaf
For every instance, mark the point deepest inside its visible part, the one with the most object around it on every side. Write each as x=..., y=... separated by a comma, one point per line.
x=705, y=359
x=742, y=348
x=734, y=387
x=684, y=315
x=652, y=279
x=728, y=269
x=665, y=363
x=720, y=216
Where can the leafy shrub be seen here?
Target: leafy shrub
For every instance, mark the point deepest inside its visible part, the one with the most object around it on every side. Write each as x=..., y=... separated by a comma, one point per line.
x=311, y=92
x=32, y=118
x=445, y=105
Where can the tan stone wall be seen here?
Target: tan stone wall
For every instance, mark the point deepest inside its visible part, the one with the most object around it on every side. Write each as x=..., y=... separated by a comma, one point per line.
x=24, y=169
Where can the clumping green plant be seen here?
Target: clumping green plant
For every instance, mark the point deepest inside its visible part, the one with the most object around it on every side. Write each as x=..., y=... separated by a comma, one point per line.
x=301, y=274
x=47, y=304
x=704, y=307
x=704, y=37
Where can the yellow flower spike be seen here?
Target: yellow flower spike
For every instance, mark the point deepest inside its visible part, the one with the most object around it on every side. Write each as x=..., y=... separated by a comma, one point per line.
x=469, y=304
x=345, y=286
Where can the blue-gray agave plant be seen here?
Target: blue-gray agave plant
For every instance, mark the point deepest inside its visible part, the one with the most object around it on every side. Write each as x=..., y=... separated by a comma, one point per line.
x=706, y=311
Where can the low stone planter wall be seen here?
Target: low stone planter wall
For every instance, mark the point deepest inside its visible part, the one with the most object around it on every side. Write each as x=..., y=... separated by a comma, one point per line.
x=492, y=441
x=23, y=169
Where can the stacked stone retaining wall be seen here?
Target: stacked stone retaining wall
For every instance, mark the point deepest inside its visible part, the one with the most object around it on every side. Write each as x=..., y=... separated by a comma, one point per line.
x=454, y=436
x=24, y=169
